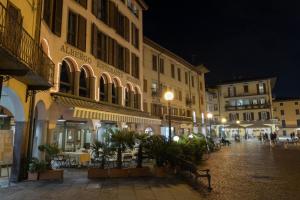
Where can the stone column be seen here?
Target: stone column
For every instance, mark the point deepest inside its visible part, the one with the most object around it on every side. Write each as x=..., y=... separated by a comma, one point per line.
x=120, y=96
x=19, y=152
x=76, y=83
x=109, y=93
x=92, y=86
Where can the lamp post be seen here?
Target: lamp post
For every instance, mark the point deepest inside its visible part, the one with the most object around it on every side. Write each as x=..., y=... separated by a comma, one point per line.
x=238, y=123
x=169, y=96
x=209, y=116
x=223, y=121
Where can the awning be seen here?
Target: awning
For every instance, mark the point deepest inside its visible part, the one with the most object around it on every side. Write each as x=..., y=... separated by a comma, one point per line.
x=258, y=126
x=89, y=109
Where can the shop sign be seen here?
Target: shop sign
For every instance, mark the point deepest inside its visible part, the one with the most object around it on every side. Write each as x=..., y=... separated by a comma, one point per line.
x=76, y=53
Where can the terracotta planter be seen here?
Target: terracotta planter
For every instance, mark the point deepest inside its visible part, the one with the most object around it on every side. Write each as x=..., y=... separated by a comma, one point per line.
x=97, y=173
x=160, y=172
x=118, y=173
x=52, y=175
x=32, y=176
x=140, y=172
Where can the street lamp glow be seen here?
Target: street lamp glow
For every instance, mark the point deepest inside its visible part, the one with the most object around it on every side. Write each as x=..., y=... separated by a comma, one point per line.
x=238, y=122
x=191, y=136
x=176, y=138
x=223, y=120
x=169, y=96
x=209, y=115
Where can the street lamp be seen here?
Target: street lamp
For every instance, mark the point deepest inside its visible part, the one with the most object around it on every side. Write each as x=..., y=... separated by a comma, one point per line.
x=238, y=123
x=209, y=116
x=223, y=121
x=169, y=96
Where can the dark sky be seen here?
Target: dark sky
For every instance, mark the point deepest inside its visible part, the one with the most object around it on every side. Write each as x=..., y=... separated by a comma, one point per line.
x=232, y=37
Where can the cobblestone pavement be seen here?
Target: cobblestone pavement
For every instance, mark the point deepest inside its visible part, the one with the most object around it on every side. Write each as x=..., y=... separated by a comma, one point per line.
x=243, y=171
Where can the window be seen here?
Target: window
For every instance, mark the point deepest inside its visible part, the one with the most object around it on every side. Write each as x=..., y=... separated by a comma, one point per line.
x=135, y=66
x=145, y=86
x=156, y=110
x=53, y=15
x=254, y=101
x=83, y=87
x=135, y=38
x=114, y=93
x=122, y=25
x=180, y=96
x=103, y=89
x=233, y=116
x=297, y=112
x=296, y=103
x=65, y=84
x=262, y=101
x=154, y=62
x=83, y=3
x=216, y=107
x=100, y=10
x=261, y=88
x=246, y=89
x=201, y=86
x=99, y=44
x=186, y=78
x=154, y=89
x=298, y=122
x=284, y=132
x=192, y=77
x=173, y=70
x=281, y=104
x=162, y=66
x=127, y=97
x=231, y=91
x=248, y=116
x=136, y=100
x=179, y=74
x=145, y=106
x=283, y=123
x=264, y=115
x=193, y=100
x=77, y=31
x=282, y=112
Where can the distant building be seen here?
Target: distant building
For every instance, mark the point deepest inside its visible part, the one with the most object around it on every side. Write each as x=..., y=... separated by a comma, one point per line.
x=287, y=112
x=165, y=71
x=213, y=103
x=246, y=104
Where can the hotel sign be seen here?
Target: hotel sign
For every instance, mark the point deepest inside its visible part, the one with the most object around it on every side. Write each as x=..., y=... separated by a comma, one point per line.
x=76, y=53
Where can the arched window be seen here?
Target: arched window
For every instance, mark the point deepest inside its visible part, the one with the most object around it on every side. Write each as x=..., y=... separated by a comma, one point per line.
x=65, y=84
x=83, y=87
x=136, y=99
x=127, y=96
x=114, y=93
x=103, y=89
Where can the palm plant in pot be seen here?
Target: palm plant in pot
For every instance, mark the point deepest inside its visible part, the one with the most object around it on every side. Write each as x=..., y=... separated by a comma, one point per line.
x=34, y=168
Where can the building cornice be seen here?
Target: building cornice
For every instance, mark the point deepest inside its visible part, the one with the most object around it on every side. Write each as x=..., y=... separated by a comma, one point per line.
x=158, y=47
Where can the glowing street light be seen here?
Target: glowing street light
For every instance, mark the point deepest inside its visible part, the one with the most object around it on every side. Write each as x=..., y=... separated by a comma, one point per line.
x=169, y=96
x=224, y=120
x=176, y=138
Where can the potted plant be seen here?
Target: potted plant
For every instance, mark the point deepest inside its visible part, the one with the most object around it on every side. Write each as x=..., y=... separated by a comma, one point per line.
x=156, y=147
x=34, y=168
x=101, y=151
x=50, y=174
x=140, y=171
x=120, y=141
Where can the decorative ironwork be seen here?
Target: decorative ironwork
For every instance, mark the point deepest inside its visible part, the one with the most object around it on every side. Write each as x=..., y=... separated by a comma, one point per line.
x=16, y=41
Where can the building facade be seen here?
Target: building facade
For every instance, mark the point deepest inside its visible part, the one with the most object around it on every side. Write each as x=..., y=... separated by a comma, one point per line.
x=287, y=112
x=24, y=70
x=165, y=71
x=247, y=107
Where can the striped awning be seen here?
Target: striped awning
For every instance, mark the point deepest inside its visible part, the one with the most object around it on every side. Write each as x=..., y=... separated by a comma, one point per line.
x=116, y=117
x=89, y=109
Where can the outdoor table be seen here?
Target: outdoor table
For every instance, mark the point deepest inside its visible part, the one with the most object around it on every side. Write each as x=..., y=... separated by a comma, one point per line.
x=80, y=157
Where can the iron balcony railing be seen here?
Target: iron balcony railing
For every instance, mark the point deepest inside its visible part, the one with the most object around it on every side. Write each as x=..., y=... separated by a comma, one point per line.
x=248, y=107
x=16, y=40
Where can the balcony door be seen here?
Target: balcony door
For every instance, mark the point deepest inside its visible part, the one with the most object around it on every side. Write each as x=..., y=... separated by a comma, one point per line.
x=13, y=31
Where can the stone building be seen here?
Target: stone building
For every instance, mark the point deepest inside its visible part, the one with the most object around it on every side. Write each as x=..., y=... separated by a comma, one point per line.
x=165, y=71
x=287, y=112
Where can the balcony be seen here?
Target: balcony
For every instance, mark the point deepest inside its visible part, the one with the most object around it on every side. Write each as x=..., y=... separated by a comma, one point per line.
x=178, y=118
x=245, y=95
x=247, y=107
x=21, y=56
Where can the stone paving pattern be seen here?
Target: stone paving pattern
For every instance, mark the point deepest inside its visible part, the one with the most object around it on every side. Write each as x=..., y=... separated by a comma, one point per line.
x=243, y=171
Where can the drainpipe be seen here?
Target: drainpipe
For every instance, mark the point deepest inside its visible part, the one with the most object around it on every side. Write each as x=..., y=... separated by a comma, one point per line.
x=31, y=125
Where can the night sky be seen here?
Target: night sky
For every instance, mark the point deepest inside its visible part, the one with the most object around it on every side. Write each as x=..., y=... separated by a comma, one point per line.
x=234, y=38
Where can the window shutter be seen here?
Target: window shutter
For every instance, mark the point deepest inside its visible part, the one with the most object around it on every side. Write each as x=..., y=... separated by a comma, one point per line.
x=127, y=61
x=234, y=91
x=112, y=14
x=126, y=28
x=237, y=116
x=95, y=7
x=94, y=40
x=47, y=12
x=257, y=88
x=252, y=116
x=264, y=85
x=228, y=90
x=268, y=115
x=259, y=115
x=81, y=33
x=57, y=17
x=83, y=3
x=244, y=116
